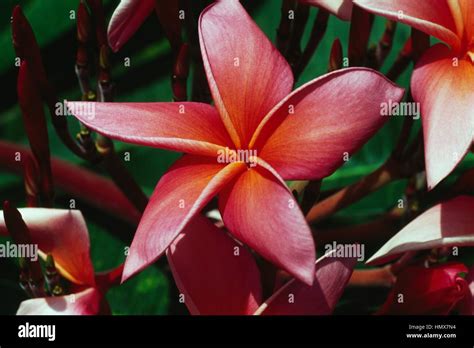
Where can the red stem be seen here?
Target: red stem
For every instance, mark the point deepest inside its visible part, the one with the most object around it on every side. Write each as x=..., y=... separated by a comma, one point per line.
x=80, y=183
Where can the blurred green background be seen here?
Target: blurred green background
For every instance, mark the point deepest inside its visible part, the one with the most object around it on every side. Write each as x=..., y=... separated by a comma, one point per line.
x=147, y=79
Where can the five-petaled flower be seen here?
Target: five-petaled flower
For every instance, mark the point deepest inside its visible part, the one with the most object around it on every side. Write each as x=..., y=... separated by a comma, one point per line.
x=299, y=135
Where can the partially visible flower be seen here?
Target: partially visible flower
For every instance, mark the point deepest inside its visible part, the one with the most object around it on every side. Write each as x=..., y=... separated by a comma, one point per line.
x=427, y=290
x=270, y=134
x=63, y=235
x=130, y=14
x=442, y=79
x=217, y=275
x=339, y=8
x=447, y=224
x=436, y=289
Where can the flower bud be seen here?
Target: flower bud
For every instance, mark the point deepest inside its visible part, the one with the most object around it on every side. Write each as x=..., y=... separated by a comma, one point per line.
x=435, y=290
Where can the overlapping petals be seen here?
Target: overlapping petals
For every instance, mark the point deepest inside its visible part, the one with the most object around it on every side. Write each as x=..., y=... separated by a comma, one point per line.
x=295, y=298
x=261, y=212
x=233, y=49
x=432, y=17
x=310, y=132
x=447, y=109
x=181, y=193
x=63, y=234
x=442, y=80
x=251, y=101
x=216, y=275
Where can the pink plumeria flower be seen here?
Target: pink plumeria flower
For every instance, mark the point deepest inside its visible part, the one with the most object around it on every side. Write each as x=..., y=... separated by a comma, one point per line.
x=443, y=78
x=257, y=135
x=64, y=235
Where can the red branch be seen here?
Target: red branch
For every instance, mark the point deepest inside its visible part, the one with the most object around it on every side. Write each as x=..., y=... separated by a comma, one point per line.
x=80, y=183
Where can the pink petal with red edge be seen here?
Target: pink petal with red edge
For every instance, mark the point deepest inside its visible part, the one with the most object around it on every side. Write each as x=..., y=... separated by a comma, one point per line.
x=260, y=211
x=436, y=290
x=339, y=8
x=62, y=233
x=126, y=19
x=308, y=134
x=432, y=17
x=217, y=275
x=447, y=110
x=86, y=302
x=180, y=194
x=331, y=277
x=184, y=127
x=447, y=224
x=233, y=50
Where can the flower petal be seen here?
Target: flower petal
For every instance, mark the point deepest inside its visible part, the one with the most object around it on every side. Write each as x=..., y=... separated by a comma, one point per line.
x=446, y=224
x=62, y=233
x=217, y=275
x=447, y=109
x=260, y=211
x=308, y=134
x=432, y=17
x=184, y=127
x=86, y=302
x=434, y=290
x=180, y=194
x=470, y=298
x=339, y=8
x=233, y=50
x=295, y=298
x=467, y=9
x=126, y=19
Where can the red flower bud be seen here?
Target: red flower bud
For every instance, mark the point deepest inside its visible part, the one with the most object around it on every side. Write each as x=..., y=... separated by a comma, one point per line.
x=434, y=290
x=27, y=48
x=180, y=73
x=35, y=125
